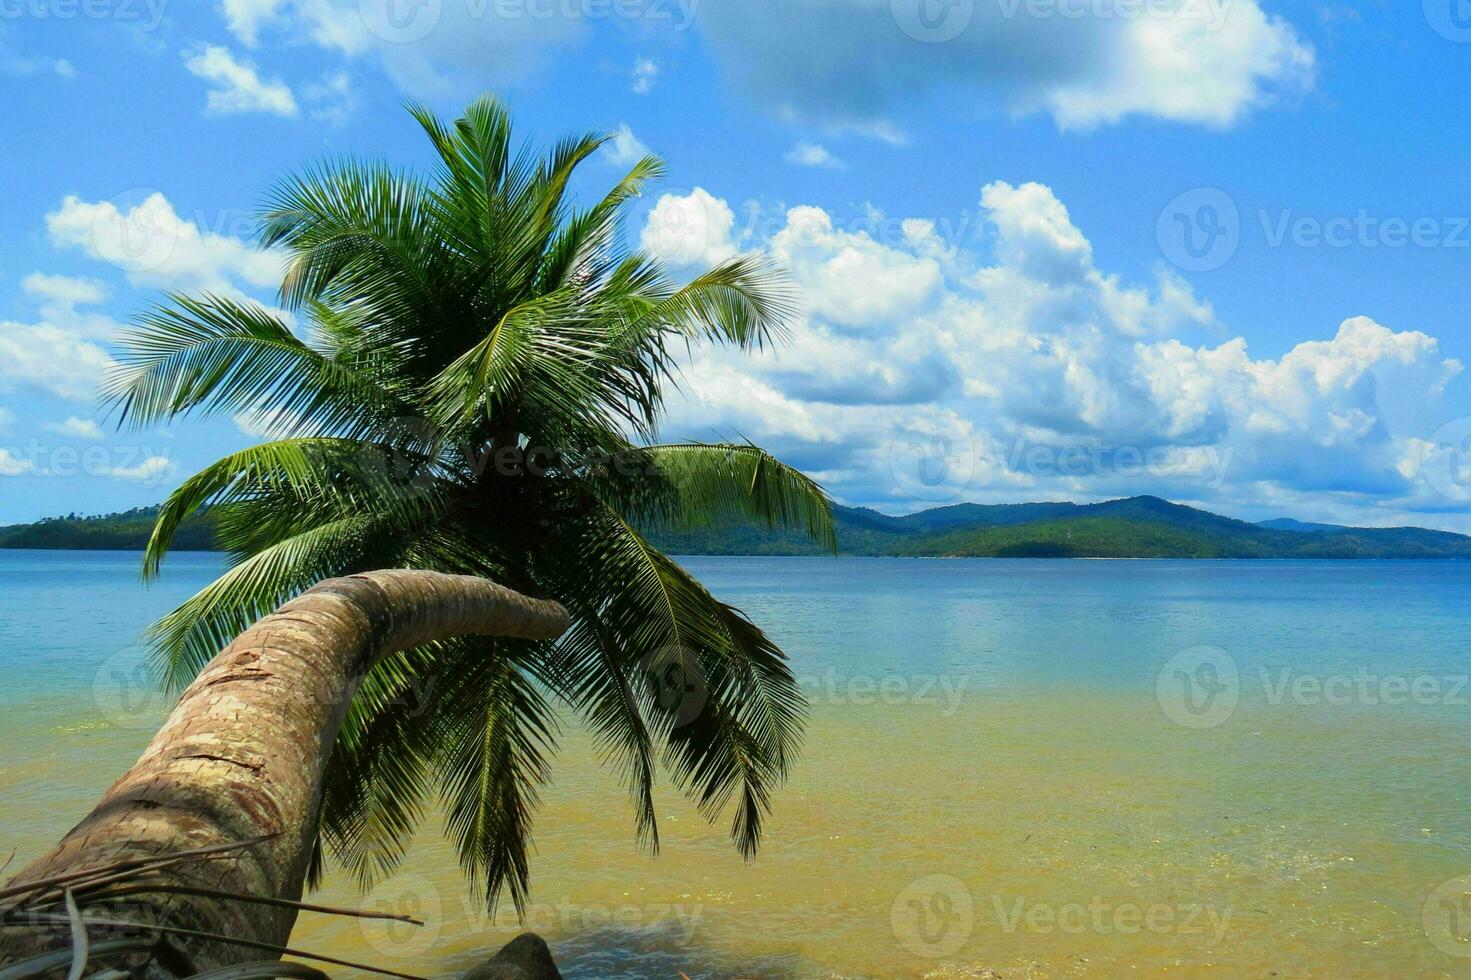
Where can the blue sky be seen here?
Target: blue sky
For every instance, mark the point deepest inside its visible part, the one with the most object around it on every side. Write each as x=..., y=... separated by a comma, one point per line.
x=1211, y=249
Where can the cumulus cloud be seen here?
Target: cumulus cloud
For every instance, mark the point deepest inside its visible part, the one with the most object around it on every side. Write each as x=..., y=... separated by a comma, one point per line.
x=854, y=62
x=235, y=86
x=156, y=247
x=685, y=230
x=58, y=353
x=51, y=358
x=926, y=371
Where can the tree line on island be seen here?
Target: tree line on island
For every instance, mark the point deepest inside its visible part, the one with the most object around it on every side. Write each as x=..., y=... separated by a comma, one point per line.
x=1136, y=527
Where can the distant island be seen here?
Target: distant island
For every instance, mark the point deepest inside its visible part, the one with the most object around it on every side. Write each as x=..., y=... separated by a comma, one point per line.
x=1135, y=527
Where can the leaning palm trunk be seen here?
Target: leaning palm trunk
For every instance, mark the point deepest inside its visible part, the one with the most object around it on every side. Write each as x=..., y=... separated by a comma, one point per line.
x=241, y=759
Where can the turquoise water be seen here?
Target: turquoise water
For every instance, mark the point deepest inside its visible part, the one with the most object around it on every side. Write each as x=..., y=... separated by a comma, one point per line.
x=1276, y=750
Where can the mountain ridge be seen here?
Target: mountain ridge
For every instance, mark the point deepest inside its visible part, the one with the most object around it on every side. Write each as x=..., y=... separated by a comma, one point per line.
x=1129, y=527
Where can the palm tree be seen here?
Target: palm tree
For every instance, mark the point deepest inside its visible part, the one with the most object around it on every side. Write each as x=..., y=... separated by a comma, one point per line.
x=235, y=772
x=474, y=385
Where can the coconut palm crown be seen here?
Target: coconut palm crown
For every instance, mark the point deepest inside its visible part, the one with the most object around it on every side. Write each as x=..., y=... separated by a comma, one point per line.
x=474, y=385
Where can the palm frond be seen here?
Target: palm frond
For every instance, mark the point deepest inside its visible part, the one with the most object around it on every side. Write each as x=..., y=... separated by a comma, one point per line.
x=726, y=483
x=496, y=731
x=222, y=355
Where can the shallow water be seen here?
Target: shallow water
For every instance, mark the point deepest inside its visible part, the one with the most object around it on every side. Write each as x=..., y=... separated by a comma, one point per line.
x=1036, y=768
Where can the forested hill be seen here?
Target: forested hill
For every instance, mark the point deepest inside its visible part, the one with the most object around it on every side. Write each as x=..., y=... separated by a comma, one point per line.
x=1137, y=527
x=127, y=531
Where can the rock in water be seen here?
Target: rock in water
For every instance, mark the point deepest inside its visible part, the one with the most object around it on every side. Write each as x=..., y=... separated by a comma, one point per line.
x=526, y=957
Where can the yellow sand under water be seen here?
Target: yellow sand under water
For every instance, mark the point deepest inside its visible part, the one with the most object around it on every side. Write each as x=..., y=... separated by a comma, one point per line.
x=1057, y=833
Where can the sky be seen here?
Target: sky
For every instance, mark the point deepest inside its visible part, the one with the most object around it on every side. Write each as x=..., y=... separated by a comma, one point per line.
x=1213, y=250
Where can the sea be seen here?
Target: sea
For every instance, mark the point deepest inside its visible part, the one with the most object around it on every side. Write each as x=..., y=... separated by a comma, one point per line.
x=1012, y=768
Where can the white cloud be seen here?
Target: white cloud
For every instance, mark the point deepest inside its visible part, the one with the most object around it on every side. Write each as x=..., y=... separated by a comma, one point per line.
x=848, y=278
x=1049, y=377
x=236, y=86
x=1191, y=69
x=155, y=247
x=813, y=155
x=1084, y=64
x=151, y=470
x=624, y=149
x=645, y=73
x=267, y=423
x=858, y=62
x=51, y=358
x=429, y=49
x=79, y=427
x=687, y=230
x=68, y=290
x=10, y=465
x=57, y=354
x=245, y=18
